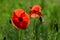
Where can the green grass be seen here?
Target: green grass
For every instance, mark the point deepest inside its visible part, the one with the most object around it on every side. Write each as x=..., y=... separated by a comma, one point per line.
x=50, y=11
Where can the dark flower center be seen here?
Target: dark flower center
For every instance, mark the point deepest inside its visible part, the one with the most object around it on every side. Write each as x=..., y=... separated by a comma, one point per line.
x=20, y=19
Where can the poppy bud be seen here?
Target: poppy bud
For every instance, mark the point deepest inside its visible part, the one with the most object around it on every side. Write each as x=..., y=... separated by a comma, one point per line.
x=40, y=19
x=56, y=27
x=10, y=21
x=4, y=38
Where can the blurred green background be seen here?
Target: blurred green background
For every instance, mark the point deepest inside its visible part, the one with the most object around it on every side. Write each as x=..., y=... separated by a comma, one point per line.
x=35, y=30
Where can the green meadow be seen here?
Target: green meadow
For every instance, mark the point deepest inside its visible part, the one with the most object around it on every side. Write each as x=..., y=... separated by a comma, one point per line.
x=36, y=30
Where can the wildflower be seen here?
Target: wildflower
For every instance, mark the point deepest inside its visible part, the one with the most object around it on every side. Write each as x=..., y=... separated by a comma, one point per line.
x=35, y=11
x=20, y=19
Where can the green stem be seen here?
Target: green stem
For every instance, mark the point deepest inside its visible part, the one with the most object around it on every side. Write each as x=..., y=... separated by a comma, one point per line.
x=35, y=28
x=36, y=33
x=20, y=34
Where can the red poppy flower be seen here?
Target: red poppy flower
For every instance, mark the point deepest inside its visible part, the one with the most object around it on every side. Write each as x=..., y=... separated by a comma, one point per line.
x=20, y=19
x=35, y=11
